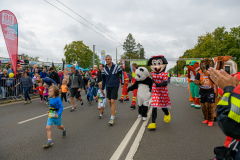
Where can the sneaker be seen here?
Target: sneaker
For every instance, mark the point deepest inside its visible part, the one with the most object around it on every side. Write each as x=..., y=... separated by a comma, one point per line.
x=126, y=99
x=41, y=101
x=192, y=105
x=205, y=122
x=144, y=118
x=210, y=123
x=81, y=102
x=120, y=100
x=29, y=101
x=73, y=109
x=88, y=102
x=64, y=133
x=139, y=116
x=69, y=101
x=101, y=116
x=48, y=144
x=133, y=107
x=111, y=122
x=26, y=102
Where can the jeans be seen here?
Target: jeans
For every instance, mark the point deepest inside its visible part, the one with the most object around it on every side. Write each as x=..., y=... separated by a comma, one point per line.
x=3, y=89
x=26, y=95
x=93, y=92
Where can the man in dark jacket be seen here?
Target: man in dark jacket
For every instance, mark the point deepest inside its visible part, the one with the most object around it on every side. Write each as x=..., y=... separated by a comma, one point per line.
x=110, y=79
x=75, y=84
x=54, y=76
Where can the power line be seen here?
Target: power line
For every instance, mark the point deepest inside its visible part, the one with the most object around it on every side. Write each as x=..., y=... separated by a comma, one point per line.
x=80, y=22
x=88, y=22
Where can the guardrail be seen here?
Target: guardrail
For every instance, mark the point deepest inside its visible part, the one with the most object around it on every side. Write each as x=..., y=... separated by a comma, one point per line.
x=9, y=91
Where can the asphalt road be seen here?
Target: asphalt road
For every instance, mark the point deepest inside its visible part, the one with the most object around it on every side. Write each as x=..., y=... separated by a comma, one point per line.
x=89, y=138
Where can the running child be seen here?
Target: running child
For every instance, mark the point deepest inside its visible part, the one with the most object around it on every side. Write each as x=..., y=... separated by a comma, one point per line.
x=88, y=93
x=45, y=93
x=54, y=114
x=101, y=96
x=40, y=90
x=64, y=91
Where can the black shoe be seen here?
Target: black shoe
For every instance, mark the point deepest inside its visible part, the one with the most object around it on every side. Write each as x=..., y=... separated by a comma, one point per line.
x=81, y=102
x=73, y=109
x=126, y=99
x=133, y=107
x=64, y=133
x=120, y=100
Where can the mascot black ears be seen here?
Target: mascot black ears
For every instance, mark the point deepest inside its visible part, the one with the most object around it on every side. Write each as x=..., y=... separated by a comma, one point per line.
x=158, y=63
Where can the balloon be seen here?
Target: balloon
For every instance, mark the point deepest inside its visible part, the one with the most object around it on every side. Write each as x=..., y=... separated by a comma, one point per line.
x=11, y=75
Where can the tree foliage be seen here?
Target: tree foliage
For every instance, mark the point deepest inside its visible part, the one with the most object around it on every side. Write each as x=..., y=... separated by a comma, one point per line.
x=78, y=52
x=218, y=43
x=97, y=60
x=30, y=58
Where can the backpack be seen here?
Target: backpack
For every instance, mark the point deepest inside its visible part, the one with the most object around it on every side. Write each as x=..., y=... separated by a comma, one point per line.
x=92, y=82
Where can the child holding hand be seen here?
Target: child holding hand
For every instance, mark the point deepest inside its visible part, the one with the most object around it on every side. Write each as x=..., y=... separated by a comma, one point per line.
x=101, y=96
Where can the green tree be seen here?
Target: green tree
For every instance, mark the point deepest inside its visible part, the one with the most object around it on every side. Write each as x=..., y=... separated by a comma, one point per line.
x=129, y=46
x=218, y=43
x=30, y=58
x=78, y=52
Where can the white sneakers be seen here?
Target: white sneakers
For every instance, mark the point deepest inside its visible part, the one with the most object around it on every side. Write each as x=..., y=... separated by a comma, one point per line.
x=139, y=116
x=144, y=118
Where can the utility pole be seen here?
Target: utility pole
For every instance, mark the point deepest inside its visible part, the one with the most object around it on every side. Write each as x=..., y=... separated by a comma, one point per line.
x=116, y=52
x=93, y=55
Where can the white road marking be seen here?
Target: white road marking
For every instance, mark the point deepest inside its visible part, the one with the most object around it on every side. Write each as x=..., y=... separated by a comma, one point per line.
x=125, y=141
x=117, y=154
x=138, y=138
x=38, y=117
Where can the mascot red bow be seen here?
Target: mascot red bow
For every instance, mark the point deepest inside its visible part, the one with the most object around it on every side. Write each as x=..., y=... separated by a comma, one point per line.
x=160, y=98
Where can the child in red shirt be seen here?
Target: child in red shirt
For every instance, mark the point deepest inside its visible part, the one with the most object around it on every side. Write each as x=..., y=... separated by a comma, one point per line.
x=40, y=89
x=94, y=72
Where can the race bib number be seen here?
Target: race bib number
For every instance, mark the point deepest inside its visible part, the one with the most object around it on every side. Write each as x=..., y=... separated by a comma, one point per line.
x=52, y=114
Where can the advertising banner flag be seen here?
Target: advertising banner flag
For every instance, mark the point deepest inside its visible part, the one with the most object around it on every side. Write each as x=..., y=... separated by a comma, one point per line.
x=123, y=64
x=9, y=27
x=131, y=62
x=103, y=54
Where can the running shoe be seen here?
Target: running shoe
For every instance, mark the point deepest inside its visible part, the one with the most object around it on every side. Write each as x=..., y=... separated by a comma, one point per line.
x=210, y=123
x=126, y=99
x=144, y=118
x=64, y=133
x=47, y=145
x=120, y=100
x=111, y=122
x=26, y=102
x=41, y=101
x=73, y=109
x=69, y=101
x=29, y=101
x=133, y=107
x=81, y=102
x=139, y=116
x=205, y=122
x=101, y=116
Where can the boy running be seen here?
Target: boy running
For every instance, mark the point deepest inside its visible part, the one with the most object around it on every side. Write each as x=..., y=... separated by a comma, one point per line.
x=54, y=114
x=64, y=91
x=101, y=96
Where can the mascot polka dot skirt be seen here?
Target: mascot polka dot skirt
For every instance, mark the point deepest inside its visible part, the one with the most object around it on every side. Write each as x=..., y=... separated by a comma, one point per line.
x=160, y=98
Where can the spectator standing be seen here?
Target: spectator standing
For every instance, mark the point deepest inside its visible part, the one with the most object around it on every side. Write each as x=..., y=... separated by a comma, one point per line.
x=60, y=75
x=43, y=74
x=111, y=79
x=3, y=78
x=10, y=70
x=93, y=82
x=26, y=61
x=26, y=83
x=54, y=76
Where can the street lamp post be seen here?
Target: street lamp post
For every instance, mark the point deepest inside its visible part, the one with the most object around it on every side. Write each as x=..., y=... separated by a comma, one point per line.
x=116, y=52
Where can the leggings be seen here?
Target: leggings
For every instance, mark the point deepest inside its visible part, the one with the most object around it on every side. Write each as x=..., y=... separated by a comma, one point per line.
x=45, y=98
x=41, y=96
x=64, y=95
x=26, y=95
x=154, y=113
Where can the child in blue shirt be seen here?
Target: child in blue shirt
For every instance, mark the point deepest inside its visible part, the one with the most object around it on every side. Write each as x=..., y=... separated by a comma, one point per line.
x=88, y=93
x=54, y=114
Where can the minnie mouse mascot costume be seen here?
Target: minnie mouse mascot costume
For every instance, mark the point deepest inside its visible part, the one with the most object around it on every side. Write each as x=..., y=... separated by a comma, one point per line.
x=160, y=98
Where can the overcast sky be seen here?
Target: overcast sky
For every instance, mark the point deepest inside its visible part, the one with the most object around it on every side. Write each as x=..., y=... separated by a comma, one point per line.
x=167, y=27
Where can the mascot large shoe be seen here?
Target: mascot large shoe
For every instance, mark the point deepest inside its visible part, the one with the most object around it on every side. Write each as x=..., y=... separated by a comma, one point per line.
x=144, y=85
x=160, y=98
